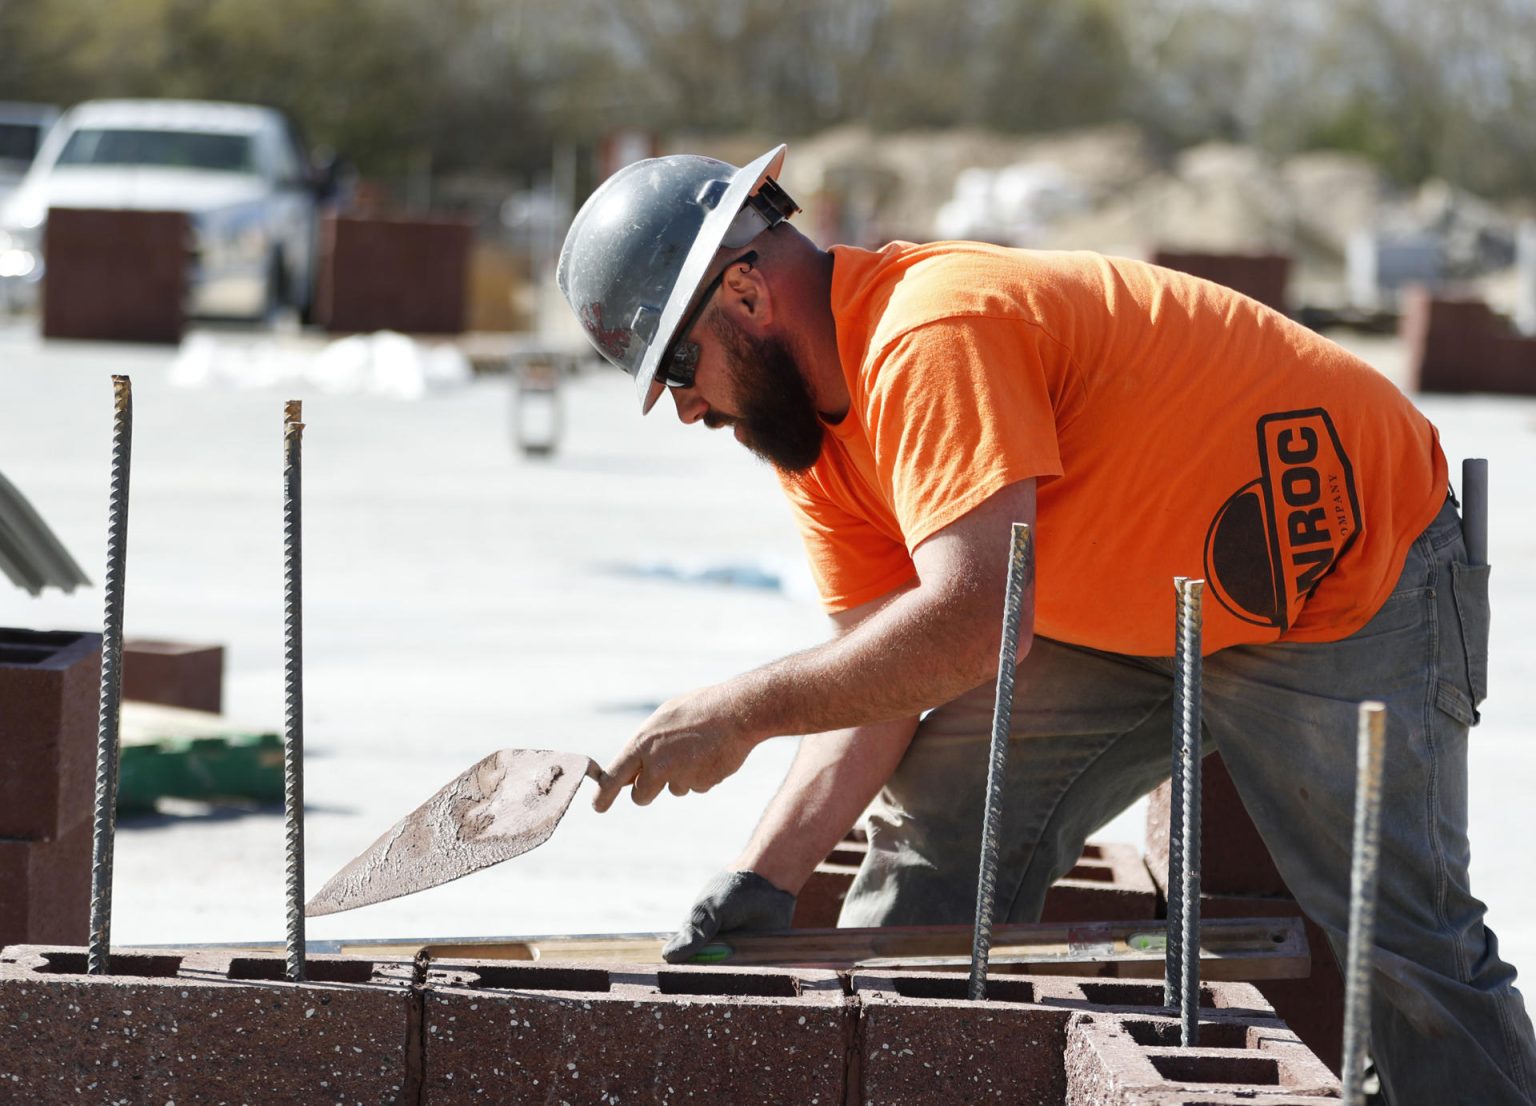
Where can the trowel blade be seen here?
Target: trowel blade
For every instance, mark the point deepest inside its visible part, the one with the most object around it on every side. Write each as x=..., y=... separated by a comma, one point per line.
x=506, y=804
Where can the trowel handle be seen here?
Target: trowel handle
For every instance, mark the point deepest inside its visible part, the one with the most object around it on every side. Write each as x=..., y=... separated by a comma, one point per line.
x=1474, y=508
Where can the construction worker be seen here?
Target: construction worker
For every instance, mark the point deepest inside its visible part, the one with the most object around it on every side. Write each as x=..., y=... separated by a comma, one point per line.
x=918, y=400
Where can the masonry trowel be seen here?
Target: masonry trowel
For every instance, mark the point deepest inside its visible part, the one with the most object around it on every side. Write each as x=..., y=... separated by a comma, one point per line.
x=502, y=807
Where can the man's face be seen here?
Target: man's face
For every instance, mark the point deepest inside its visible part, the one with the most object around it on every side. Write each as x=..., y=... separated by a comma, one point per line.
x=775, y=414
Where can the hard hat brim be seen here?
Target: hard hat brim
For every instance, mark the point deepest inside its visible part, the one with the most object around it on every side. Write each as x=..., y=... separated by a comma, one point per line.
x=695, y=268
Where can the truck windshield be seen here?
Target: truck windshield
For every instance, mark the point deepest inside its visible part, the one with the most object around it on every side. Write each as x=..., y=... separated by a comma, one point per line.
x=226, y=153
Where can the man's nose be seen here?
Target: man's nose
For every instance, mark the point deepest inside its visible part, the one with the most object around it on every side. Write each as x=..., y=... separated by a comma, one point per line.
x=690, y=406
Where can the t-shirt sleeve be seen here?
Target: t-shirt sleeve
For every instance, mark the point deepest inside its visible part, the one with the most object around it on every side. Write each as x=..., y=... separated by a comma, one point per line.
x=958, y=409
x=852, y=561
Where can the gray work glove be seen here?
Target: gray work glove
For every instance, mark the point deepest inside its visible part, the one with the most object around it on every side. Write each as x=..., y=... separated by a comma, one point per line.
x=731, y=901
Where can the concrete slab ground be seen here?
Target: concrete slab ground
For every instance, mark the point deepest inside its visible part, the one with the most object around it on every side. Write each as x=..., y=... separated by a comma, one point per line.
x=461, y=597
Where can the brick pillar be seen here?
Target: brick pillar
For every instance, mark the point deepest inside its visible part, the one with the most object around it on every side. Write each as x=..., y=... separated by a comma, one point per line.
x=49, y=683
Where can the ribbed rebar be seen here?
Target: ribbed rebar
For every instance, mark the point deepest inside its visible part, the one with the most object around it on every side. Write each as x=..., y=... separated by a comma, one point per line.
x=1021, y=574
x=1173, y=959
x=1189, y=721
x=1362, y=897
x=293, y=682
x=104, y=823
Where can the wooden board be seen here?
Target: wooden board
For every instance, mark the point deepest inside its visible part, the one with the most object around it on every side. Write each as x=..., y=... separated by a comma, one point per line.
x=1230, y=949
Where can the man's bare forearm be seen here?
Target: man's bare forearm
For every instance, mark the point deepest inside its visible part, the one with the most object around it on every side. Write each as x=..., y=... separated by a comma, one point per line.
x=832, y=780
x=918, y=652
x=916, y=649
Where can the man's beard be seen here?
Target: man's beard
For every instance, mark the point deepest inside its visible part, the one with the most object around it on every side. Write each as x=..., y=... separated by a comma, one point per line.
x=778, y=417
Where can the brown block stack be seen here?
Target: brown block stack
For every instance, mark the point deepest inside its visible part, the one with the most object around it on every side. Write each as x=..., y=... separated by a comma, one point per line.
x=49, y=683
x=174, y=674
x=1460, y=345
x=405, y=274
x=116, y=276
x=1259, y=276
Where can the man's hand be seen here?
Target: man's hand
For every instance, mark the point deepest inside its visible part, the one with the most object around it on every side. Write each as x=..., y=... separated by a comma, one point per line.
x=729, y=902
x=691, y=743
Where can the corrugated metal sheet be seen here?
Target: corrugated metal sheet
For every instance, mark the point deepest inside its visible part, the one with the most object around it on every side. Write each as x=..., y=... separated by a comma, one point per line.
x=30, y=553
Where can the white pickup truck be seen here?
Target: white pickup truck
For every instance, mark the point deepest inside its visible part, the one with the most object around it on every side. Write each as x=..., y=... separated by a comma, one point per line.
x=237, y=170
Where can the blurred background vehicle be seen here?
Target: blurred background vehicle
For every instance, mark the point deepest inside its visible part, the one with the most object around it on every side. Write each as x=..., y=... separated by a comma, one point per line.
x=22, y=130
x=238, y=171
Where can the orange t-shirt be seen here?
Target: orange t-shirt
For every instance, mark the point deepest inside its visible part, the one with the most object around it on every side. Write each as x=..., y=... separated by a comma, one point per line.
x=1175, y=428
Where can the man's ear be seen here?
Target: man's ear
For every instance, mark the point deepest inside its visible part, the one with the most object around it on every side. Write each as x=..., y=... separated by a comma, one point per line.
x=745, y=295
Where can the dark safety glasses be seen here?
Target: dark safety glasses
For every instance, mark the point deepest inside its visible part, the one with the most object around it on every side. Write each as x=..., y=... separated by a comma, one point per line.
x=681, y=361
x=765, y=209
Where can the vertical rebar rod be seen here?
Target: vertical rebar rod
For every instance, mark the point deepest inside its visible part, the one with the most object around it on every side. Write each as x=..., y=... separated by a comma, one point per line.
x=293, y=681
x=1362, y=897
x=1021, y=574
x=1474, y=508
x=1190, y=724
x=104, y=823
x=1173, y=960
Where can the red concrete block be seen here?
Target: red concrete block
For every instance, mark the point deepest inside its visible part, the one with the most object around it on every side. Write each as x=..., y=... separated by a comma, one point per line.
x=115, y=275
x=499, y=1032
x=922, y=1041
x=821, y=899
x=45, y=889
x=1233, y=857
x=1312, y=1007
x=200, y=1027
x=173, y=673
x=1239, y=880
x=49, y=689
x=1259, y=276
x=1512, y=365
x=1460, y=345
x=1125, y=1061
x=380, y=273
x=1109, y=883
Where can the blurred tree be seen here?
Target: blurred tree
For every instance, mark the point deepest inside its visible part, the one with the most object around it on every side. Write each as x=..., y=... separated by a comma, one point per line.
x=1428, y=87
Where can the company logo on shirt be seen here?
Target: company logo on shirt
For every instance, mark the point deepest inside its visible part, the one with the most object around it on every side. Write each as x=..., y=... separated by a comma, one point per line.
x=1278, y=535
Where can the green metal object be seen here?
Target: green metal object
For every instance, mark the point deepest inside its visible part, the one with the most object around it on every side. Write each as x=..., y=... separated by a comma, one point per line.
x=247, y=767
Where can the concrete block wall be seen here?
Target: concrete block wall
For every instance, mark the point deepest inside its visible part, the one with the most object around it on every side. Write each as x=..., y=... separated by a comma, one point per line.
x=821, y=899
x=195, y=1027
x=204, y=1027
x=1109, y=883
x=1238, y=879
x=535, y=1032
x=922, y=1041
x=45, y=887
x=1137, y=1061
x=49, y=685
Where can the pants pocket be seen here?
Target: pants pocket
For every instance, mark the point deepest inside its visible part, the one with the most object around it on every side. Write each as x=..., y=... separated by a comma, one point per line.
x=1469, y=585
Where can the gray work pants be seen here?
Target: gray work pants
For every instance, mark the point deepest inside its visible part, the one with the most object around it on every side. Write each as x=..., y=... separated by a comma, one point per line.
x=1091, y=733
